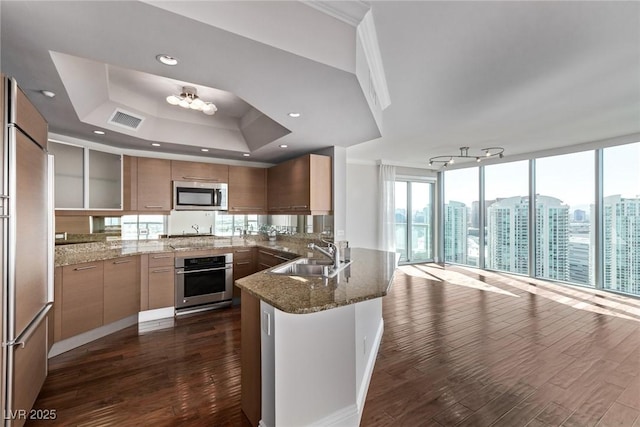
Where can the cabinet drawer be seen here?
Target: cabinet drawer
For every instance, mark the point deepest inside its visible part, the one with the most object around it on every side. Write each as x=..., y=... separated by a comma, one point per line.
x=244, y=254
x=268, y=259
x=164, y=259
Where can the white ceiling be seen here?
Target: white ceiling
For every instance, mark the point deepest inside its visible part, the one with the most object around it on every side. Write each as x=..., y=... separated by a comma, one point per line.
x=527, y=76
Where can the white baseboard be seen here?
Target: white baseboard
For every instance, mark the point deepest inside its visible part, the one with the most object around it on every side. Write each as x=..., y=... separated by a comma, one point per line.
x=159, y=313
x=92, y=335
x=347, y=416
x=368, y=370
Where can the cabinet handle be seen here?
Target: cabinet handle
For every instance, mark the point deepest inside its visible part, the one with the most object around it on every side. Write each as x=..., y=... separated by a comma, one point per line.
x=164, y=270
x=90, y=267
x=281, y=257
x=246, y=208
x=266, y=253
x=299, y=207
x=125, y=261
x=242, y=250
x=243, y=263
x=154, y=207
x=266, y=265
x=161, y=256
x=200, y=178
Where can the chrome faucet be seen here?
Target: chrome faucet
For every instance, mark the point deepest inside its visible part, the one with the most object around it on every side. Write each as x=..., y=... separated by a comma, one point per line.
x=331, y=251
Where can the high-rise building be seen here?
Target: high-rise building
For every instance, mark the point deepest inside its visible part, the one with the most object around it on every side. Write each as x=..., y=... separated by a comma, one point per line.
x=508, y=235
x=456, y=222
x=579, y=253
x=621, y=244
x=552, y=238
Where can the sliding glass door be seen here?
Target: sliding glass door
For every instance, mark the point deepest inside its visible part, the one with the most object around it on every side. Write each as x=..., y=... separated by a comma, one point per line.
x=414, y=220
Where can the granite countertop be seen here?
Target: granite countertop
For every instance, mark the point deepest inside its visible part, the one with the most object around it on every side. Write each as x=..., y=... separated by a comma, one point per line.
x=369, y=276
x=99, y=251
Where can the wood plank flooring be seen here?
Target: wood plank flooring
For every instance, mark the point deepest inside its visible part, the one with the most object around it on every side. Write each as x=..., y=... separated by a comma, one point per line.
x=464, y=347
x=461, y=347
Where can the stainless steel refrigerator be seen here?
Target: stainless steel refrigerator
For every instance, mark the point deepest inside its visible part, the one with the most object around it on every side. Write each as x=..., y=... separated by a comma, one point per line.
x=26, y=253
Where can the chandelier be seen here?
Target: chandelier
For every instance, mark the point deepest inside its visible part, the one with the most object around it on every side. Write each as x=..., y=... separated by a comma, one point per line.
x=487, y=153
x=189, y=99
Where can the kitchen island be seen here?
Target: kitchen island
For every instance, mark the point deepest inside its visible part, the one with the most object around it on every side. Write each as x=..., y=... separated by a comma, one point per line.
x=317, y=339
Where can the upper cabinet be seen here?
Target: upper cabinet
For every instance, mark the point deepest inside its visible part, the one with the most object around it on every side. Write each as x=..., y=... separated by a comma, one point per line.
x=85, y=178
x=147, y=184
x=300, y=186
x=247, y=190
x=196, y=171
x=105, y=180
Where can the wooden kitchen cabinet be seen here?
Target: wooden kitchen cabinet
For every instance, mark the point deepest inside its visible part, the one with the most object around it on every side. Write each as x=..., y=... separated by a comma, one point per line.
x=244, y=264
x=153, y=185
x=82, y=298
x=300, y=186
x=268, y=258
x=121, y=288
x=161, y=275
x=247, y=190
x=197, y=171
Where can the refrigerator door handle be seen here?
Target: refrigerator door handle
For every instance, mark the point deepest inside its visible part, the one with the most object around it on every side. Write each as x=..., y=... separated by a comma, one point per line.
x=29, y=330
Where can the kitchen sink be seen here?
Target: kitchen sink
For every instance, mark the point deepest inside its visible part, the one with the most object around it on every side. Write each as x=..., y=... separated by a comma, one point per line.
x=309, y=267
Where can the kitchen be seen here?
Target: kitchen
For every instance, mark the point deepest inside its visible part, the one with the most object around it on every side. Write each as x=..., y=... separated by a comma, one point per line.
x=109, y=97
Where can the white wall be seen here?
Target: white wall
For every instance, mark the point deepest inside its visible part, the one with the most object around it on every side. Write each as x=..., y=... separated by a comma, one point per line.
x=362, y=206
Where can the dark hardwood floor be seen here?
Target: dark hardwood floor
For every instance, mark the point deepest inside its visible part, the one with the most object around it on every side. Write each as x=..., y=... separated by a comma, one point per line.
x=460, y=347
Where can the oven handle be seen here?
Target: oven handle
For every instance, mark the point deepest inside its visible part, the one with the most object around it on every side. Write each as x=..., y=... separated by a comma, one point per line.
x=180, y=271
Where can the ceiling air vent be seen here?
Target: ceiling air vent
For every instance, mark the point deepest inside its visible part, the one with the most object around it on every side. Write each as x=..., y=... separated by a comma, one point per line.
x=125, y=119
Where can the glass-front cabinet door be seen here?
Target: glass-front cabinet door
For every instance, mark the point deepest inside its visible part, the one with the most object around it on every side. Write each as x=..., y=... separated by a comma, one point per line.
x=105, y=180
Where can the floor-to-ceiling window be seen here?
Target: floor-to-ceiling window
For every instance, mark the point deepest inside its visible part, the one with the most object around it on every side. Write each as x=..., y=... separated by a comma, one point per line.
x=621, y=218
x=506, y=195
x=565, y=193
x=461, y=216
x=414, y=220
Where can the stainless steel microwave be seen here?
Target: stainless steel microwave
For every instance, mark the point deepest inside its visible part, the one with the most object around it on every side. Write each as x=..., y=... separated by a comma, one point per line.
x=199, y=196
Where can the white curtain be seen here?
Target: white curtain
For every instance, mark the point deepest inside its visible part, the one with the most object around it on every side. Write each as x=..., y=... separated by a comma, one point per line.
x=387, y=185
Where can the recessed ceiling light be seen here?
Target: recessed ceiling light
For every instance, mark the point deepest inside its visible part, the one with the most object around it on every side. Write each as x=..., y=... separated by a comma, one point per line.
x=204, y=149
x=48, y=93
x=98, y=132
x=246, y=154
x=283, y=145
x=294, y=115
x=155, y=144
x=167, y=59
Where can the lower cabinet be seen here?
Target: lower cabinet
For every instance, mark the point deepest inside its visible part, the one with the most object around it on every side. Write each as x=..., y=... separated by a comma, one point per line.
x=161, y=276
x=121, y=288
x=94, y=294
x=82, y=298
x=244, y=264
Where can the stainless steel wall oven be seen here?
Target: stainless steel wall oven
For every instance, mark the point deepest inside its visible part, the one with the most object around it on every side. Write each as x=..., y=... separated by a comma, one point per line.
x=203, y=282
